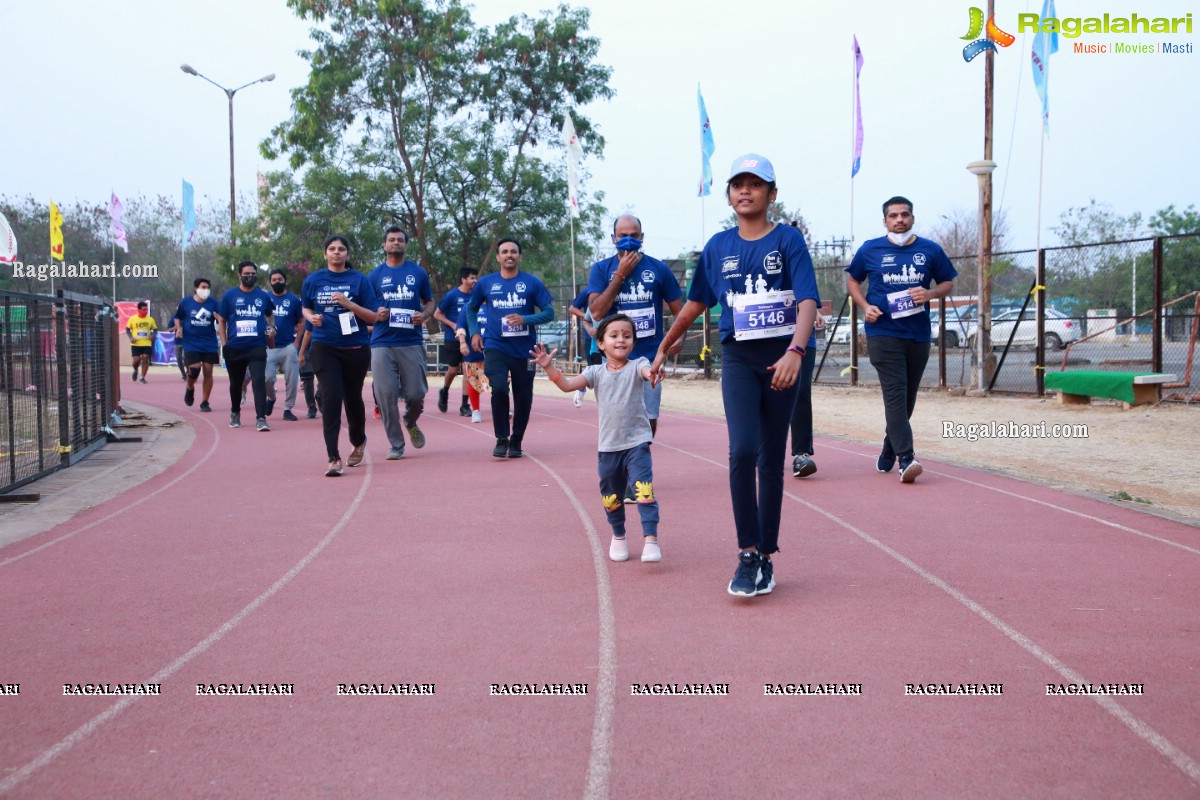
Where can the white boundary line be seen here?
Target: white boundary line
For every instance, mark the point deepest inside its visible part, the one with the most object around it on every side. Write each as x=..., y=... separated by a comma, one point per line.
x=1182, y=761
x=125, y=508
x=95, y=723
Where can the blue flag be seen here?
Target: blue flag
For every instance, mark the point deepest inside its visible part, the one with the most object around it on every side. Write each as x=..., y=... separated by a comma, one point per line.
x=858, y=132
x=189, y=215
x=707, y=148
x=1044, y=45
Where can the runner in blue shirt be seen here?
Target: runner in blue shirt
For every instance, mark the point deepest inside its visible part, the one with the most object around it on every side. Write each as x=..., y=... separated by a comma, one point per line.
x=246, y=326
x=761, y=274
x=196, y=321
x=339, y=303
x=903, y=273
x=398, y=366
x=289, y=322
x=511, y=296
x=447, y=313
x=474, y=381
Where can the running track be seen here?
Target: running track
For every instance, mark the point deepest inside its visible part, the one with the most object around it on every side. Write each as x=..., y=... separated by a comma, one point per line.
x=454, y=569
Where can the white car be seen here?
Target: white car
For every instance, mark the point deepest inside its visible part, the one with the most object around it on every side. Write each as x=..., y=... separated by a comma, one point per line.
x=957, y=329
x=842, y=334
x=1059, y=329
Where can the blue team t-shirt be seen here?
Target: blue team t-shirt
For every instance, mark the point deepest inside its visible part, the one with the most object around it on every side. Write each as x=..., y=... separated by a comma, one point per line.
x=245, y=315
x=763, y=277
x=403, y=290
x=581, y=303
x=199, y=323
x=519, y=294
x=452, y=303
x=892, y=270
x=461, y=320
x=317, y=296
x=287, y=314
x=648, y=287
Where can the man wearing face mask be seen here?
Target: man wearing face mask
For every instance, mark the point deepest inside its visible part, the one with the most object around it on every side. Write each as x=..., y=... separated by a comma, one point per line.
x=289, y=323
x=246, y=326
x=196, y=321
x=903, y=273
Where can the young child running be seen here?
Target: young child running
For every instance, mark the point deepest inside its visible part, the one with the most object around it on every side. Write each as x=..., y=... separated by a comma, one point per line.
x=761, y=274
x=625, y=434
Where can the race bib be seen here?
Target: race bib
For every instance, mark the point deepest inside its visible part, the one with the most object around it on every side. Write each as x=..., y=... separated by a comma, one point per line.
x=142, y=334
x=400, y=318
x=349, y=323
x=900, y=304
x=247, y=327
x=764, y=315
x=643, y=321
x=512, y=330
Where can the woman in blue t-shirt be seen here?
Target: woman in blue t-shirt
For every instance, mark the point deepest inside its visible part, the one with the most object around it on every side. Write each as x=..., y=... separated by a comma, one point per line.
x=339, y=303
x=761, y=275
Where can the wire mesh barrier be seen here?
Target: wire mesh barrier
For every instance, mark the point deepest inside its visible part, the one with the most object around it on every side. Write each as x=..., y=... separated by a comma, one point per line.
x=57, y=382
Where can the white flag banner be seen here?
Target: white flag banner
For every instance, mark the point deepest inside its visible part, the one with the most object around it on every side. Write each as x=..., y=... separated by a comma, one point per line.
x=574, y=160
x=8, y=242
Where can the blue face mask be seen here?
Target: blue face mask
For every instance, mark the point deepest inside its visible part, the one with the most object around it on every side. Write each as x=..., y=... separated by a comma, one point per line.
x=628, y=243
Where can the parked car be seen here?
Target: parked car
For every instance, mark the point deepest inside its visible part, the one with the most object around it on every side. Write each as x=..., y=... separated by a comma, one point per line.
x=1059, y=329
x=842, y=333
x=556, y=333
x=957, y=327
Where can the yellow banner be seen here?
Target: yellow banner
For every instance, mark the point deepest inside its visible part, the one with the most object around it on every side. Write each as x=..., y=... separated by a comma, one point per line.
x=56, y=237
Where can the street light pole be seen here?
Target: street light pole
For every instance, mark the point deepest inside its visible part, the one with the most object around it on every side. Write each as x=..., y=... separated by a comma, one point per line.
x=983, y=253
x=229, y=93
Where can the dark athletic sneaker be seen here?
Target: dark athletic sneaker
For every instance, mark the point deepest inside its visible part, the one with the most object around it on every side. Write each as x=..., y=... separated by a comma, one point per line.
x=235, y=419
x=261, y=425
x=464, y=410
x=514, y=448
x=189, y=397
x=312, y=413
x=415, y=436
x=910, y=468
x=501, y=448
x=803, y=466
x=766, y=581
x=270, y=406
x=746, y=577
x=887, y=457
x=289, y=416
x=443, y=399
x=204, y=406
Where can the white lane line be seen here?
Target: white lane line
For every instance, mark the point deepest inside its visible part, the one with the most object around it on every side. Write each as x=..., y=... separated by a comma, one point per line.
x=95, y=723
x=1184, y=762
x=124, y=508
x=1035, y=501
x=600, y=757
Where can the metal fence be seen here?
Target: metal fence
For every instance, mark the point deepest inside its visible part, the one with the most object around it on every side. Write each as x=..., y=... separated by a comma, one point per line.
x=57, y=382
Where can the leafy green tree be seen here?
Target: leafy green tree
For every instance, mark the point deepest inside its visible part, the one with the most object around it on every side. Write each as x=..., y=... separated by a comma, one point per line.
x=1181, y=256
x=414, y=114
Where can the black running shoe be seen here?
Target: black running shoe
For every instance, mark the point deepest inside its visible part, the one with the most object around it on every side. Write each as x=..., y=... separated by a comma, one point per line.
x=766, y=580
x=887, y=457
x=443, y=399
x=501, y=448
x=204, y=406
x=803, y=466
x=189, y=396
x=910, y=468
x=514, y=448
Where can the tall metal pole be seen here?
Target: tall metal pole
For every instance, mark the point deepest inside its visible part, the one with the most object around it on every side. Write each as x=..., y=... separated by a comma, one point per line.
x=985, y=223
x=232, y=192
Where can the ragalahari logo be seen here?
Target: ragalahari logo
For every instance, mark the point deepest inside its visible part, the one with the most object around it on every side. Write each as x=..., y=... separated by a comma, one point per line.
x=994, y=37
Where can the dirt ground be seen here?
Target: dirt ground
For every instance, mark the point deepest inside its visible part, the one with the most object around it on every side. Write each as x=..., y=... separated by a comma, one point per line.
x=1145, y=458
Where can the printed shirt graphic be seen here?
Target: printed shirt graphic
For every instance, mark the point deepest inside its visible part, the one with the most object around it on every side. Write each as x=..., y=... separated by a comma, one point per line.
x=621, y=400
x=317, y=296
x=139, y=328
x=452, y=303
x=522, y=294
x=890, y=271
x=766, y=273
x=403, y=290
x=287, y=314
x=648, y=287
x=245, y=315
x=199, y=322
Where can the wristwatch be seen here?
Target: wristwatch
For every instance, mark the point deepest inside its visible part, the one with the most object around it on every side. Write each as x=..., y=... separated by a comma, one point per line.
x=795, y=348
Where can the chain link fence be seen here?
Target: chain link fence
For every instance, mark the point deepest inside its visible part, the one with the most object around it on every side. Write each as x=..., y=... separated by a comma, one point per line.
x=57, y=382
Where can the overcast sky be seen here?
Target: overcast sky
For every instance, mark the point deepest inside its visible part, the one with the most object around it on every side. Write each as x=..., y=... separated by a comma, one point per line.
x=95, y=101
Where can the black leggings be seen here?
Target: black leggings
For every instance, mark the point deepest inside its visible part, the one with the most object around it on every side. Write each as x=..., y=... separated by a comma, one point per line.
x=237, y=361
x=341, y=372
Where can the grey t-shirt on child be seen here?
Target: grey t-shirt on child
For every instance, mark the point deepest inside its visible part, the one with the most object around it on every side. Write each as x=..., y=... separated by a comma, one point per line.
x=624, y=421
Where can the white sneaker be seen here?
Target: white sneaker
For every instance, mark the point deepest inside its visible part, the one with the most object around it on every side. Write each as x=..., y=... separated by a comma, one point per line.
x=651, y=552
x=579, y=393
x=618, y=550
x=476, y=416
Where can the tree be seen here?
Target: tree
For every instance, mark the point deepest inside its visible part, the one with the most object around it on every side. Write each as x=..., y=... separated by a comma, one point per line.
x=414, y=114
x=1181, y=254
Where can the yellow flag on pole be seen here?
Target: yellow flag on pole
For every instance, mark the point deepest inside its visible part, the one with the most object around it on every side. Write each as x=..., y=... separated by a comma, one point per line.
x=56, y=237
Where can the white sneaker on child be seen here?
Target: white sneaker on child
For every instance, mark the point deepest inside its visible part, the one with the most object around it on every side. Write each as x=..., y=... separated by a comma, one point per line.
x=618, y=550
x=579, y=393
x=476, y=416
x=651, y=552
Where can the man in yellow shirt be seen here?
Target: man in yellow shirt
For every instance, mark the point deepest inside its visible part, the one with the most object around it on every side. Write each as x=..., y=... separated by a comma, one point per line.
x=141, y=330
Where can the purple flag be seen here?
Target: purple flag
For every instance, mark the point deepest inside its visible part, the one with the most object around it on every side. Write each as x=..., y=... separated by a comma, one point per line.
x=858, y=132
